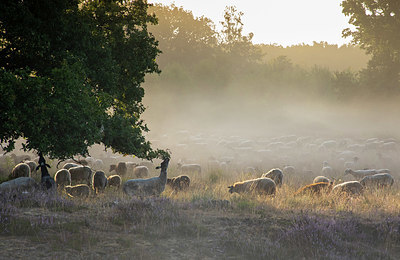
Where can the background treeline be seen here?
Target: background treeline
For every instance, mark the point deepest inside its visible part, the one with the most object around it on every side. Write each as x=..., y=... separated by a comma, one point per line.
x=197, y=58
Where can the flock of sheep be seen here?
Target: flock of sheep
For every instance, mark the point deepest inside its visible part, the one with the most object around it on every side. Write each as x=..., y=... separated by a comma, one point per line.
x=315, y=165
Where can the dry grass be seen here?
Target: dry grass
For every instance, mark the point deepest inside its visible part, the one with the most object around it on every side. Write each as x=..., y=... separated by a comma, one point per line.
x=204, y=221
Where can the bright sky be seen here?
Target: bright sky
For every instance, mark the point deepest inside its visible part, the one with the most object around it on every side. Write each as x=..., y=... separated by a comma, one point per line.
x=285, y=22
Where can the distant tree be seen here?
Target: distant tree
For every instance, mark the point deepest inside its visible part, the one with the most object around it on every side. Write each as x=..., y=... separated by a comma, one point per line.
x=377, y=30
x=182, y=37
x=232, y=38
x=70, y=75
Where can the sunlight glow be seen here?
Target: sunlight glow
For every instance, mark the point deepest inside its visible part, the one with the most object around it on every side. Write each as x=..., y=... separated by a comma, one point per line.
x=283, y=22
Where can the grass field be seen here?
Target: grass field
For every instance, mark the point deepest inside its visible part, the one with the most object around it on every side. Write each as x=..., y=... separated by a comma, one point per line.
x=203, y=222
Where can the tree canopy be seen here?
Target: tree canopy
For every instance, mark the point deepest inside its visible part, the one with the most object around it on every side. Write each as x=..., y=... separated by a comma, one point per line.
x=377, y=30
x=71, y=74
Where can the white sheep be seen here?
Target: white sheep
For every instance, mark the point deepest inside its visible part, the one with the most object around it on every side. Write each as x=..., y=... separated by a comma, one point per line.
x=349, y=187
x=20, y=170
x=148, y=187
x=99, y=181
x=81, y=173
x=263, y=186
x=276, y=175
x=32, y=165
x=122, y=168
x=21, y=183
x=326, y=169
x=359, y=174
x=80, y=190
x=188, y=168
x=289, y=170
x=62, y=178
x=141, y=171
x=67, y=166
x=377, y=180
x=321, y=179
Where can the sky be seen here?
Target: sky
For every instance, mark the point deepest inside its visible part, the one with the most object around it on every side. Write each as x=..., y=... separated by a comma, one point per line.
x=282, y=22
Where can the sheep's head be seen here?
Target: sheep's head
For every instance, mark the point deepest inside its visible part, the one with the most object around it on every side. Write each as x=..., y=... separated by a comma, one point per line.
x=347, y=171
x=231, y=189
x=164, y=165
x=112, y=167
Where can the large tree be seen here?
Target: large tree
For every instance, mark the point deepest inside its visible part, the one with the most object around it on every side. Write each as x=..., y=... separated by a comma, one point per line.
x=71, y=74
x=377, y=30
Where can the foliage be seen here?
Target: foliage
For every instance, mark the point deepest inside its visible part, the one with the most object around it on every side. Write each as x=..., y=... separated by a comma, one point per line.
x=232, y=38
x=182, y=37
x=73, y=69
x=377, y=30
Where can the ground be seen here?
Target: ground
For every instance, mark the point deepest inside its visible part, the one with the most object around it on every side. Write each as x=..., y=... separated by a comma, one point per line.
x=172, y=227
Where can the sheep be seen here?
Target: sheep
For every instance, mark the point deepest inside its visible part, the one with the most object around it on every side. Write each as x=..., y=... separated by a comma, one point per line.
x=81, y=173
x=179, y=183
x=114, y=180
x=141, y=171
x=62, y=178
x=315, y=188
x=383, y=171
x=321, y=179
x=188, y=168
x=349, y=187
x=262, y=186
x=99, y=181
x=32, y=165
x=122, y=168
x=276, y=175
x=326, y=169
x=148, y=187
x=67, y=166
x=377, y=180
x=20, y=183
x=20, y=158
x=290, y=170
x=20, y=170
x=359, y=174
x=80, y=190
x=47, y=181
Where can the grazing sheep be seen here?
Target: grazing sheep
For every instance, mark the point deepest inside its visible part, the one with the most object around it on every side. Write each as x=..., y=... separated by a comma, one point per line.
x=289, y=170
x=349, y=187
x=122, y=168
x=359, y=174
x=20, y=158
x=81, y=173
x=179, y=183
x=114, y=180
x=80, y=190
x=20, y=170
x=377, y=180
x=262, y=186
x=62, y=177
x=47, y=181
x=383, y=171
x=188, y=168
x=148, y=187
x=321, y=179
x=32, y=165
x=141, y=171
x=315, y=188
x=20, y=183
x=326, y=169
x=276, y=175
x=99, y=181
x=148, y=164
x=68, y=166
